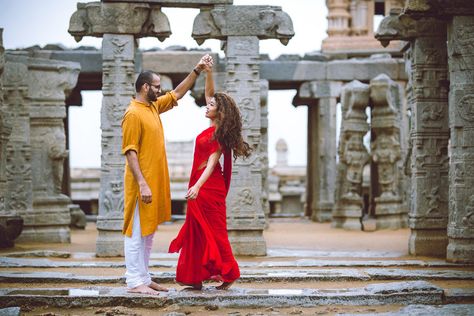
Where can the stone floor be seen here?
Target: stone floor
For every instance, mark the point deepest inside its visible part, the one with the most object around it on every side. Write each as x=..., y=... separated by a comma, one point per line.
x=310, y=269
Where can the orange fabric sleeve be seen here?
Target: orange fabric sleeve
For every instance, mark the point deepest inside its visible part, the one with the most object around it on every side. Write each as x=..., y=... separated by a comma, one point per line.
x=131, y=132
x=166, y=102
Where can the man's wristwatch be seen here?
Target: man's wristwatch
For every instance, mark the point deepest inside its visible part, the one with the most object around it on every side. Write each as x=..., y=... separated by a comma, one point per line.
x=197, y=72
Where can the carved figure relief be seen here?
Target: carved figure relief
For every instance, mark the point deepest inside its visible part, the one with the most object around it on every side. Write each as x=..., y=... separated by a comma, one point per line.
x=468, y=219
x=465, y=107
x=385, y=154
x=113, y=198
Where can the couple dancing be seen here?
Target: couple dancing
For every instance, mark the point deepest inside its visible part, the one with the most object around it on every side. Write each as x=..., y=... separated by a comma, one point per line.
x=205, y=251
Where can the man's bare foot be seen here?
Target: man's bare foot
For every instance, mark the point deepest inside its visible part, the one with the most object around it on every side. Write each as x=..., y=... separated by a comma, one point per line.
x=143, y=289
x=155, y=286
x=224, y=286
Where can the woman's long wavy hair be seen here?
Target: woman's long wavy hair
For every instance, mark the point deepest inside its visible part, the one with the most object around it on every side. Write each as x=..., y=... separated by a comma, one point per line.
x=229, y=126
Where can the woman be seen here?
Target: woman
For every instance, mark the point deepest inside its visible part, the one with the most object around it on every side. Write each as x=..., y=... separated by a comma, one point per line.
x=205, y=249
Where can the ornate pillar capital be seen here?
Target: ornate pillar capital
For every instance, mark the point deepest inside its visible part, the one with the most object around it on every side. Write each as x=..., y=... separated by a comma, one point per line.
x=137, y=19
x=265, y=22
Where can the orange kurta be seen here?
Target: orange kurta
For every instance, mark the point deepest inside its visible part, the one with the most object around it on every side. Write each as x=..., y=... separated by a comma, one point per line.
x=142, y=132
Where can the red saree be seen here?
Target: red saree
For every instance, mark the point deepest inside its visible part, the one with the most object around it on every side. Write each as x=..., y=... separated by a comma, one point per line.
x=205, y=249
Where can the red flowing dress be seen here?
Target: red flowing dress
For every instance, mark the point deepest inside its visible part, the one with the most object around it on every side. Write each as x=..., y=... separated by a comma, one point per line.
x=205, y=249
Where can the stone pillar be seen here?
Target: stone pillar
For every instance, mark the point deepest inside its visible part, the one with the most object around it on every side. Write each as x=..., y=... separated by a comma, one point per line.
x=242, y=27
x=321, y=97
x=461, y=121
x=246, y=217
x=49, y=83
x=428, y=213
x=385, y=96
x=353, y=156
x=264, y=148
x=119, y=24
x=118, y=77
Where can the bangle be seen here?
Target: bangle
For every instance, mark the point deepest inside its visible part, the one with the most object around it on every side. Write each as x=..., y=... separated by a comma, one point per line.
x=196, y=72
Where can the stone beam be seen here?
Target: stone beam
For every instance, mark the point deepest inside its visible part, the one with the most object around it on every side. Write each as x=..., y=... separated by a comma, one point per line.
x=177, y=3
x=424, y=8
x=137, y=19
x=264, y=22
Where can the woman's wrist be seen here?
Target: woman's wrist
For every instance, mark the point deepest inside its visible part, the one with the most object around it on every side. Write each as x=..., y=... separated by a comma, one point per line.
x=197, y=71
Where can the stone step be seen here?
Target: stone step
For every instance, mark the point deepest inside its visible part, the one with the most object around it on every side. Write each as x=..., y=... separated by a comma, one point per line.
x=9, y=262
x=249, y=276
x=403, y=293
x=424, y=310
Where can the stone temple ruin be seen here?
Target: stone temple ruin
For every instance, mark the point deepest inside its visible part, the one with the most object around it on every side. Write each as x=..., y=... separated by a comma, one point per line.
x=419, y=159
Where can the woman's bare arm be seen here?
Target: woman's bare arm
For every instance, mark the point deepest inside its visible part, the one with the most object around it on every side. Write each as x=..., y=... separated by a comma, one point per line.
x=209, y=90
x=211, y=164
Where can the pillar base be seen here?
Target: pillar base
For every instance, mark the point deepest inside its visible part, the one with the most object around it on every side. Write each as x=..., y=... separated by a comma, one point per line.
x=428, y=242
x=248, y=242
x=460, y=250
x=109, y=244
x=49, y=221
x=389, y=214
x=323, y=213
x=347, y=214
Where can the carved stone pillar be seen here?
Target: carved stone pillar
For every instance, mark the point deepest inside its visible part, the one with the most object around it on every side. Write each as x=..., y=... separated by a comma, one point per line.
x=119, y=24
x=353, y=156
x=246, y=216
x=321, y=97
x=118, y=54
x=49, y=83
x=264, y=148
x=242, y=27
x=429, y=132
x=461, y=121
x=385, y=96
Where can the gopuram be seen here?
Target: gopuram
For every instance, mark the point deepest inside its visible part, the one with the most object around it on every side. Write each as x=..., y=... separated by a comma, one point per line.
x=406, y=111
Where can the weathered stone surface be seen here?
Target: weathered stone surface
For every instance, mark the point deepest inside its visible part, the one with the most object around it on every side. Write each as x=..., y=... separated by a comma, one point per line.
x=461, y=123
x=137, y=19
x=78, y=217
x=424, y=310
x=417, y=292
x=261, y=21
x=320, y=96
x=386, y=96
x=353, y=156
x=10, y=311
x=178, y=3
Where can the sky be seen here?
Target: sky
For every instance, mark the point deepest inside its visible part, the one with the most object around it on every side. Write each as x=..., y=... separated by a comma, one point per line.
x=33, y=22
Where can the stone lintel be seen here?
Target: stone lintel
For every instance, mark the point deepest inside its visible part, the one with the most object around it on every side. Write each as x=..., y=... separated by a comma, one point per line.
x=265, y=22
x=320, y=89
x=177, y=3
x=137, y=19
x=170, y=62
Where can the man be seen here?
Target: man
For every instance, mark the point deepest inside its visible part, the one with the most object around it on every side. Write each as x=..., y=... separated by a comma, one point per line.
x=147, y=191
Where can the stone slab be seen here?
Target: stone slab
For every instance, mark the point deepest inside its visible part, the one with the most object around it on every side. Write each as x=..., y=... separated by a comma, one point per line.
x=417, y=292
x=419, y=310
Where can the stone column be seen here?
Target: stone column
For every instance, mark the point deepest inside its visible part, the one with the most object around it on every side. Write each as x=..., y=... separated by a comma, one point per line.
x=118, y=53
x=321, y=97
x=385, y=96
x=353, y=156
x=242, y=27
x=461, y=121
x=49, y=83
x=119, y=24
x=428, y=214
x=264, y=148
x=244, y=201
x=16, y=150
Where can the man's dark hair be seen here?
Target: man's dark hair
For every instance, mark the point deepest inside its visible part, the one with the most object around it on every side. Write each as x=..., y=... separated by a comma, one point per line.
x=144, y=77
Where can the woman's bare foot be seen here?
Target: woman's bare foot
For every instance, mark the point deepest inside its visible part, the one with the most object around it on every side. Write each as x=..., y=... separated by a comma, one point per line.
x=143, y=289
x=224, y=286
x=155, y=286
x=196, y=286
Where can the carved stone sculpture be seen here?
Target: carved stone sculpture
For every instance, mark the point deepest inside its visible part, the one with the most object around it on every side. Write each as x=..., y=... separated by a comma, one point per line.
x=353, y=156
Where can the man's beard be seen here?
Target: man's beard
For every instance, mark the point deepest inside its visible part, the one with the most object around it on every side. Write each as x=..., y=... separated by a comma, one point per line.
x=151, y=96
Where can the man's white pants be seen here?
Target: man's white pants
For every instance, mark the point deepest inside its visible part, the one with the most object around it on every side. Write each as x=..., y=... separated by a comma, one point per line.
x=137, y=255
